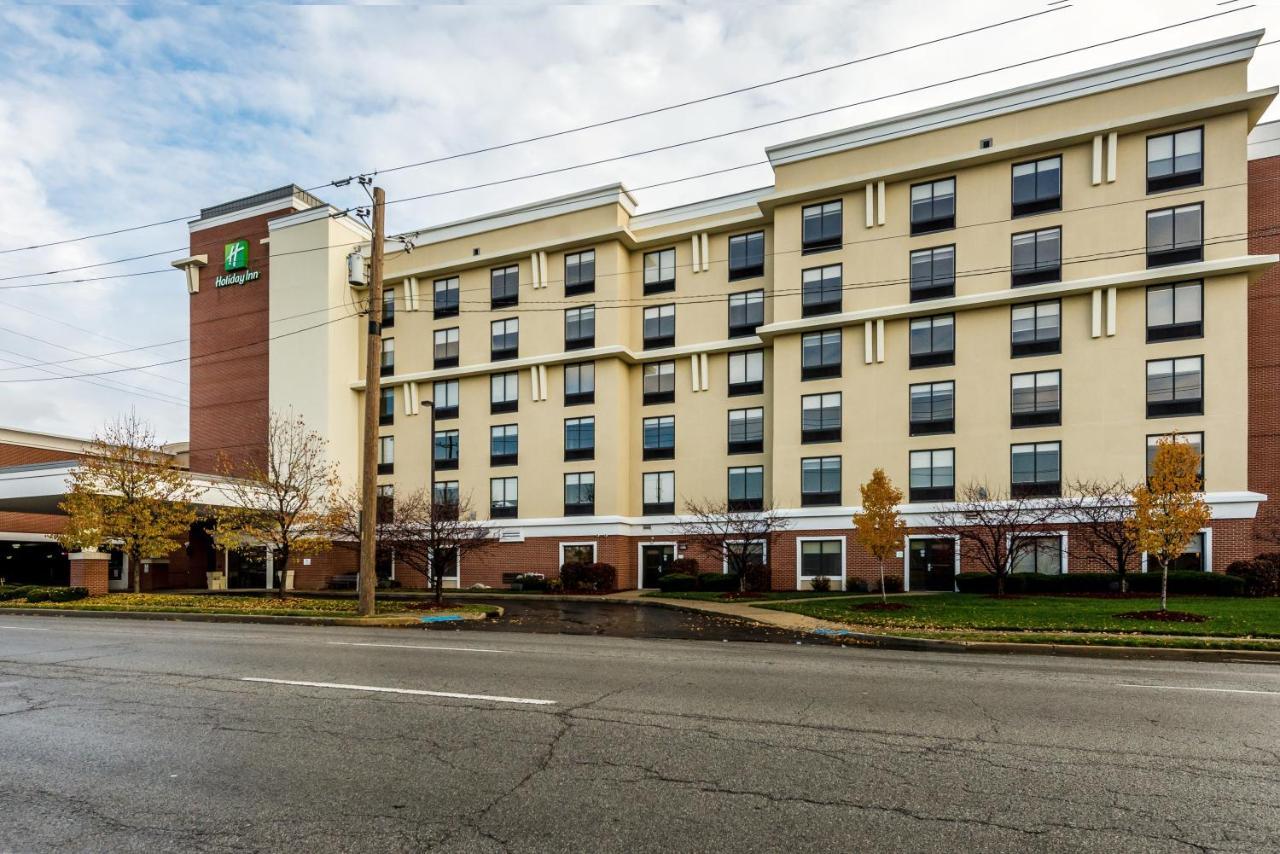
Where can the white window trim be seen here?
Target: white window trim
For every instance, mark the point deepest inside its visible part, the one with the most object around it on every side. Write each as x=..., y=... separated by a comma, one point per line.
x=844, y=557
x=675, y=555
x=595, y=550
x=456, y=578
x=906, y=555
x=1206, y=559
x=724, y=563
x=1008, y=540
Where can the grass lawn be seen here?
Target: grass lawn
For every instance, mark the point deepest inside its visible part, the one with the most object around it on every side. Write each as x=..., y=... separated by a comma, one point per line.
x=292, y=606
x=768, y=596
x=1228, y=616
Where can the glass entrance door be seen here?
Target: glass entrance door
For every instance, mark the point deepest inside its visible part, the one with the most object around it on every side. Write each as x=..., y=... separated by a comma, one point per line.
x=933, y=564
x=247, y=569
x=655, y=560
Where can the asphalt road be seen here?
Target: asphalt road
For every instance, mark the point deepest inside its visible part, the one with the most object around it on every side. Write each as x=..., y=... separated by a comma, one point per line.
x=132, y=736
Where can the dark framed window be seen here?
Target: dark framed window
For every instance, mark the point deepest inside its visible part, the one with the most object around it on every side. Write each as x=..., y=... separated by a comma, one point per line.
x=659, y=437
x=819, y=481
x=1175, y=235
x=746, y=488
x=746, y=373
x=1192, y=558
x=446, y=298
x=1037, y=186
x=579, y=383
x=746, y=256
x=444, y=450
x=580, y=438
x=822, y=290
x=1175, y=311
x=386, y=454
x=445, y=492
x=660, y=271
x=820, y=354
x=659, y=492
x=659, y=383
x=387, y=360
x=504, y=286
x=659, y=326
x=933, y=408
x=1035, y=399
x=580, y=494
x=746, y=430
x=821, y=558
x=579, y=272
x=444, y=397
x=1038, y=555
x=504, y=341
x=933, y=341
x=445, y=351
x=504, y=392
x=933, y=206
x=1035, y=328
x=933, y=273
x=1175, y=387
x=580, y=327
x=504, y=498
x=746, y=313
x=1036, y=257
x=388, y=308
x=1175, y=160
x=386, y=407
x=1036, y=470
x=933, y=475
x=820, y=418
x=386, y=503
x=1195, y=440
x=822, y=226
x=504, y=445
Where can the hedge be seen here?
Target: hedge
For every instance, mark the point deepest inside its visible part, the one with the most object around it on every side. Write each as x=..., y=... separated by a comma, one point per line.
x=1180, y=583
x=588, y=578
x=1261, y=576
x=43, y=594
x=677, y=582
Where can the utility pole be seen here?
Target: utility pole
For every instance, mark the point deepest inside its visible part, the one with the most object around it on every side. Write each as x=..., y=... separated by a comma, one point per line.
x=368, y=580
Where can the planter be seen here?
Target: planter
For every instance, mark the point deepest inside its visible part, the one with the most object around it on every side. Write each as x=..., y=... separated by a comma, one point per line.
x=288, y=579
x=216, y=580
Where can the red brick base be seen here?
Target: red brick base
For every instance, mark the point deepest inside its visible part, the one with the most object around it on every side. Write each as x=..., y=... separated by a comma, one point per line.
x=89, y=570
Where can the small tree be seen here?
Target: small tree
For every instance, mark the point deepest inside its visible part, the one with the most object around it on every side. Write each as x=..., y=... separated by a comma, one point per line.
x=1099, y=510
x=284, y=502
x=994, y=529
x=879, y=525
x=345, y=519
x=729, y=535
x=430, y=534
x=127, y=489
x=1169, y=510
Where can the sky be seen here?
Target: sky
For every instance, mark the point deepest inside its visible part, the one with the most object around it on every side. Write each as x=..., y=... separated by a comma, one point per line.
x=113, y=116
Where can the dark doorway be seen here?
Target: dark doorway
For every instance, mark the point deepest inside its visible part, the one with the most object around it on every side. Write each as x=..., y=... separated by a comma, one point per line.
x=655, y=561
x=933, y=564
x=44, y=564
x=247, y=569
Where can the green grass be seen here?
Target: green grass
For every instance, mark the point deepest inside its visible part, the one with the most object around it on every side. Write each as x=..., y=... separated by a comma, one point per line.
x=770, y=596
x=292, y=606
x=1229, y=617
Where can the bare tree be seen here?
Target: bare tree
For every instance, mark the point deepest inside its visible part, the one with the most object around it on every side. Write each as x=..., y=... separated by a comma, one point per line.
x=994, y=529
x=1098, y=510
x=345, y=520
x=430, y=535
x=729, y=535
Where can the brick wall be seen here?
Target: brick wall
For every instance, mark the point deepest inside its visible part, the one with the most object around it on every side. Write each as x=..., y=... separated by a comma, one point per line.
x=1264, y=349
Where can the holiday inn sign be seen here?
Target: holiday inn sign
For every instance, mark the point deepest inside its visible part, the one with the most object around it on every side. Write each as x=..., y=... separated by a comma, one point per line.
x=235, y=263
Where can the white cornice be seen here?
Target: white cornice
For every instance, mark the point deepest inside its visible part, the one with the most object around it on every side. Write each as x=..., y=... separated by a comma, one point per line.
x=705, y=207
x=320, y=212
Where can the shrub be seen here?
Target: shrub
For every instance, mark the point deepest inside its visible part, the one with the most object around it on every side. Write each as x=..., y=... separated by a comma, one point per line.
x=857, y=585
x=757, y=577
x=589, y=577
x=67, y=594
x=891, y=585
x=684, y=566
x=677, y=582
x=7, y=593
x=530, y=581
x=1189, y=583
x=821, y=583
x=1261, y=577
x=38, y=594
x=721, y=581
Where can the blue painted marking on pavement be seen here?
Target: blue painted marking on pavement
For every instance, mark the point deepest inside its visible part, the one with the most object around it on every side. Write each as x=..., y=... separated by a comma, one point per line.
x=442, y=619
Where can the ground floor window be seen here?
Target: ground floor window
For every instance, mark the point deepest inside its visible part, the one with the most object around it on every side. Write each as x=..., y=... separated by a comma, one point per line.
x=1192, y=558
x=577, y=553
x=448, y=565
x=1041, y=555
x=745, y=553
x=821, y=557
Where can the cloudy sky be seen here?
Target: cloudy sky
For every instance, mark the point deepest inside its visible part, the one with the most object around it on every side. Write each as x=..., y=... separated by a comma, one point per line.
x=112, y=117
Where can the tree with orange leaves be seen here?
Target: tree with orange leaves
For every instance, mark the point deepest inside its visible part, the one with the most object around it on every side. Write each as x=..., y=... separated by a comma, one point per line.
x=1169, y=510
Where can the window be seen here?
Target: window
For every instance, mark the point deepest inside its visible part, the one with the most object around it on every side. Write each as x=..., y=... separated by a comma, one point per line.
x=446, y=298
x=1037, y=257
x=580, y=328
x=746, y=430
x=579, y=383
x=1175, y=235
x=504, y=500
x=821, y=290
x=819, y=481
x=1037, y=186
x=823, y=227
x=1175, y=387
x=746, y=373
x=933, y=341
x=444, y=450
x=820, y=355
x=445, y=354
x=659, y=326
x=1195, y=440
x=933, y=206
x=388, y=308
x=933, y=475
x=1040, y=555
x=1036, y=470
x=1035, y=329
x=659, y=382
x=746, y=312
x=820, y=418
x=504, y=392
x=933, y=408
x=1175, y=160
x=580, y=494
x=660, y=271
x=386, y=454
x=444, y=396
x=746, y=488
x=821, y=558
x=579, y=272
x=504, y=445
x=580, y=438
x=387, y=406
x=445, y=492
x=933, y=273
x=1175, y=311
x=1036, y=399
x=659, y=492
x=504, y=341
x=1192, y=559
x=659, y=438
x=746, y=256
x=386, y=503
x=504, y=286
x=387, y=362
x=577, y=553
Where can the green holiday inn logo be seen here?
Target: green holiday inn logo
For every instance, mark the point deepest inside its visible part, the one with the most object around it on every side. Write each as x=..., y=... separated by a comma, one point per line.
x=235, y=263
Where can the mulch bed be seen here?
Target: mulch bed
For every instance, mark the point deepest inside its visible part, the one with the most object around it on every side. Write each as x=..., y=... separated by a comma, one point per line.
x=883, y=606
x=430, y=606
x=1165, y=616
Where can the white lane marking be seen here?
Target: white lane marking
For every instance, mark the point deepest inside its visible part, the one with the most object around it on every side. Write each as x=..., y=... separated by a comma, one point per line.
x=415, y=692
x=1192, y=688
x=24, y=628
x=416, y=646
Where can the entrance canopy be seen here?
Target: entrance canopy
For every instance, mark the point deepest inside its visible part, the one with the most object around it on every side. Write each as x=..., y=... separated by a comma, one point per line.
x=41, y=487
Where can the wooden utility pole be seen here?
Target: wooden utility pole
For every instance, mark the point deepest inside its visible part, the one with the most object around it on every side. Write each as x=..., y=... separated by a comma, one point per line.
x=368, y=581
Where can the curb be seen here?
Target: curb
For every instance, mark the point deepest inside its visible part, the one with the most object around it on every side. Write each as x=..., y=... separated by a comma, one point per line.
x=398, y=621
